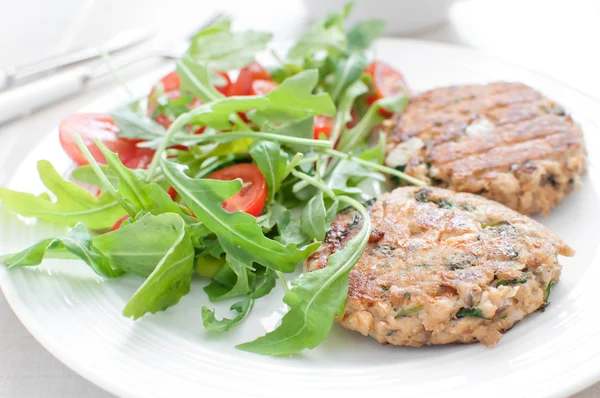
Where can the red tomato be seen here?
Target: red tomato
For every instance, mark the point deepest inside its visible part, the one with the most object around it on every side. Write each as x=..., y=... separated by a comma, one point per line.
x=95, y=125
x=171, y=83
x=119, y=222
x=251, y=199
x=225, y=87
x=248, y=74
x=323, y=125
x=387, y=82
x=262, y=87
x=172, y=193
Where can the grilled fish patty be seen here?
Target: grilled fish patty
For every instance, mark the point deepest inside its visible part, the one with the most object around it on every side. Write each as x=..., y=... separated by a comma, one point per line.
x=504, y=141
x=443, y=267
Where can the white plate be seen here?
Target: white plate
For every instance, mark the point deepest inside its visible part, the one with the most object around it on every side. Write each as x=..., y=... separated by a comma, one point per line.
x=76, y=315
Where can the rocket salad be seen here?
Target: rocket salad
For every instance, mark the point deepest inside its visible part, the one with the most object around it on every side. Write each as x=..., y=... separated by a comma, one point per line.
x=232, y=179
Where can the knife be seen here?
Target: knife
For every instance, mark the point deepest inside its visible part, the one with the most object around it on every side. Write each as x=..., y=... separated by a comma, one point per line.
x=22, y=100
x=15, y=75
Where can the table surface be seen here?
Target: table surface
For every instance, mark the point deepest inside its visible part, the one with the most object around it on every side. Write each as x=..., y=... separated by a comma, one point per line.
x=555, y=37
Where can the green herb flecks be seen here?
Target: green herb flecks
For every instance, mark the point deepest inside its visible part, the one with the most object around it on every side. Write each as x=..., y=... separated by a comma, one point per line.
x=548, y=289
x=473, y=313
x=517, y=281
x=409, y=311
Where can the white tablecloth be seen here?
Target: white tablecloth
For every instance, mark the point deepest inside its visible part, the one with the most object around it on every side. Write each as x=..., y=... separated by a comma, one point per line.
x=558, y=38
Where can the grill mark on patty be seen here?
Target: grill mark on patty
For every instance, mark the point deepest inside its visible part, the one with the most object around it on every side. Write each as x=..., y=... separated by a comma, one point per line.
x=526, y=130
x=447, y=125
x=503, y=157
x=490, y=139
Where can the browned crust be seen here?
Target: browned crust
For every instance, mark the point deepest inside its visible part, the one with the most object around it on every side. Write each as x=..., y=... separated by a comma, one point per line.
x=504, y=141
x=444, y=252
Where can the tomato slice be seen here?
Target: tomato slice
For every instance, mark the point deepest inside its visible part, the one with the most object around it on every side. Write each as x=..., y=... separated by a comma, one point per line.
x=224, y=87
x=248, y=74
x=172, y=193
x=262, y=87
x=171, y=84
x=323, y=124
x=253, y=195
x=387, y=81
x=103, y=127
x=119, y=222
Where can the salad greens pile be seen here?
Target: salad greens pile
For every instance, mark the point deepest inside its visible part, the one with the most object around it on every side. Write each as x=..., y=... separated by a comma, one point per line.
x=166, y=238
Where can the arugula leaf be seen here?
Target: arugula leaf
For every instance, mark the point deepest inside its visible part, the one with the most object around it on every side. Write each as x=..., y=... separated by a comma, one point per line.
x=162, y=203
x=313, y=219
x=87, y=175
x=131, y=182
x=347, y=174
x=132, y=125
x=241, y=307
x=292, y=100
x=238, y=232
x=376, y=153
x=344, y=112
x=326, y=34
x=73, y=203
x=290, y=231
x=347, y=71
x=268, y=283
x=76, y=243
x=364, y=33
x=138, y=247
x=220, y=326
x=231, y=280
x=315, y=299
x=269, y=219
x=219, y=48
x=359, y=133
x=272, y=162
x=195, y=78
x=294, y=97
x=172, y=275
x=302, y=128
x=331, y=213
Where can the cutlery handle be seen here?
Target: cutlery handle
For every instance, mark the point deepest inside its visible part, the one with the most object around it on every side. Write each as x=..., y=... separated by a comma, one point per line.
x=22, y=100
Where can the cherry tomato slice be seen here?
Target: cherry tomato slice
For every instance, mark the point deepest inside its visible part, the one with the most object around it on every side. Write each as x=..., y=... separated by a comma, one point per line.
x=103, y=127
x=224, y=87
x=323, y=124
x=248, y=74
x=171, y=83
x=251, y=199
x=262, y=87
x=386, y=80
x=172, y=193
x=119, y=222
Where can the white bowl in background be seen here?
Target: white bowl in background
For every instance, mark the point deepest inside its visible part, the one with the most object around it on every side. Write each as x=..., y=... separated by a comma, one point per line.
x=401, y=16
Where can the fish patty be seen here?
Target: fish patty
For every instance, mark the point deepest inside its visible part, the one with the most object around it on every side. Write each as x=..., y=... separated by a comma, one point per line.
x=443, y=267
x=504, y=141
